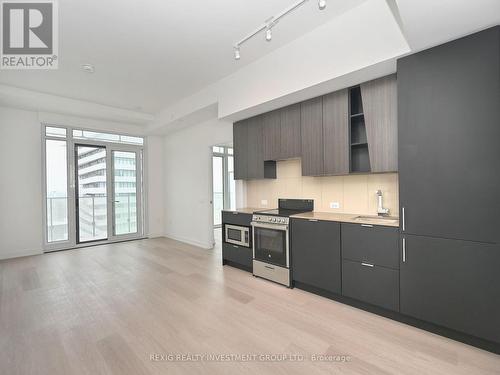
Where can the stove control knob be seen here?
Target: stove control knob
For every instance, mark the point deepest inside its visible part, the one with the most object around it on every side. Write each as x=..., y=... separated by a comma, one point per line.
x=274, y=220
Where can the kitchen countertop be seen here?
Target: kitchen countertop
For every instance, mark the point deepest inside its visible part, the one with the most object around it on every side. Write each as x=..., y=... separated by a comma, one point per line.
x=245, y=210
x=348, y=218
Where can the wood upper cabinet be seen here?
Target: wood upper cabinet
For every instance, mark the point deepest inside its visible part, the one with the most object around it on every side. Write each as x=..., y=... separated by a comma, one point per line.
x=336, y=133
x=248, y=136
x=271, y=123
x=240, y=143
x=282, y=133
x=290, y=138
x=255, y=148
x=380, y=113
x=311, y=128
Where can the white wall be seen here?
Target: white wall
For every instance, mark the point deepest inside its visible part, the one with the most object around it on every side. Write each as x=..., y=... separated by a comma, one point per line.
x=20, y=183
x=188, y=212
x=155, y=185
x=21, y=231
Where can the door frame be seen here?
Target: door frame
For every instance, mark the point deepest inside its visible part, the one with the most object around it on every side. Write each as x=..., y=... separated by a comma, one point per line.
x=141, y=168
x=76, y=198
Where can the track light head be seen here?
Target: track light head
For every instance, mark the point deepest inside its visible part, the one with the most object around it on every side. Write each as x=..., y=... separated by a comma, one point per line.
x=269, y=34
x=321, y=4
x=237, y=55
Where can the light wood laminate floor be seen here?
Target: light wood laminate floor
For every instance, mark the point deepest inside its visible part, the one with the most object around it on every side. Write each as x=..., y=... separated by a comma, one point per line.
x=107, y=309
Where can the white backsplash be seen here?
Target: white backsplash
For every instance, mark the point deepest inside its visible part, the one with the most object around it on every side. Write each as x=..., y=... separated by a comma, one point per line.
x=356, y=194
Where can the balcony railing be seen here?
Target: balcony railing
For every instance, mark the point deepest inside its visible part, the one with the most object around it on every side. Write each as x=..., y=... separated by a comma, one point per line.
x=92, y=218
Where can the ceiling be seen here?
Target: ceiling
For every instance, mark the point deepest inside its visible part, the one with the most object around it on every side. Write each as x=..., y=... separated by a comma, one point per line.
x=149, y=54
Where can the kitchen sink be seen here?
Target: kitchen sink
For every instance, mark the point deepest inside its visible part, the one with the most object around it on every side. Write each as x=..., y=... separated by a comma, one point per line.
x=389, y=219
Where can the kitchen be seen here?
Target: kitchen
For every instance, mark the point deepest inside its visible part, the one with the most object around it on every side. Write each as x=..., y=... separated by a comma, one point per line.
x=384, y=193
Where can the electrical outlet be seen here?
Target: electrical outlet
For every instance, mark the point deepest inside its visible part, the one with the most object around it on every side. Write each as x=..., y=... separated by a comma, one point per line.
x=263, y=202
x=334, y=205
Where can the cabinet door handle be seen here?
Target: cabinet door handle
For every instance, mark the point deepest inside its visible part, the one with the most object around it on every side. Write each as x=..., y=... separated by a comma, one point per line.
x=236, y=247
x=367, y=225
x=404, y=250
x=404, y=219
x=367, y=264
x=313, y=220
x=235, y=213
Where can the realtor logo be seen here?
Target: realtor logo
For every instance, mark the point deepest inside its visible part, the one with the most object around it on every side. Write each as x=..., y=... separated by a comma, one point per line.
x=29, y=37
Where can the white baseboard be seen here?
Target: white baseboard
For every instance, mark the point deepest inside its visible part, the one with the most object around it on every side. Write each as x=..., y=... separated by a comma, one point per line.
x=189, y=241
x=19, y=254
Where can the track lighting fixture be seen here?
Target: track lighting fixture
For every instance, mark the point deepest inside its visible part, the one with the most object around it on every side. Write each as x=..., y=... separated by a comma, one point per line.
x=269, y=34
x=271, y=22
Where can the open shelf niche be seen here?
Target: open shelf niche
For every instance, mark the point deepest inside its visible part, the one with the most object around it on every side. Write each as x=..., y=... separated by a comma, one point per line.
x=359, y=154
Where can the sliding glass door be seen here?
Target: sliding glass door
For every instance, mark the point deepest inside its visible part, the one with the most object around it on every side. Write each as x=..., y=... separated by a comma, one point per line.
x=91, y=199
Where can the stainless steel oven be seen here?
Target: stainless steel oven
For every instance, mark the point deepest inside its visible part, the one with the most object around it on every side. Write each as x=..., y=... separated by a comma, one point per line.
x=271, y=244
x=237, y=235
x=271, y=248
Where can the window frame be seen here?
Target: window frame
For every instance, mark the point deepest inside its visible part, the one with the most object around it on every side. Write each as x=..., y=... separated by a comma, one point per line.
x=71, y=243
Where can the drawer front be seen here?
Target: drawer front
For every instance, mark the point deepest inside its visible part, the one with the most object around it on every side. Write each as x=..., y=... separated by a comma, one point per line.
x=236, y=218
x=371, y=244
x=375, y=285
x=237, y=254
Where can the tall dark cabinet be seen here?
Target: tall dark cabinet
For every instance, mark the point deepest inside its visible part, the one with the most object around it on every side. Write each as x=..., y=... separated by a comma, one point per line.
x=449, y=158
x=449, y=133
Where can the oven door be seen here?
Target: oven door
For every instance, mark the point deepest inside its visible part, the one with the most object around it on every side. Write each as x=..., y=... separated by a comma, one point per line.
x=237, y=235
x=270, y=243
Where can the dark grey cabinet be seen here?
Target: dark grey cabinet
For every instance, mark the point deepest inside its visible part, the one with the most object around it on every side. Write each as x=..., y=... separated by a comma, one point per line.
x=380, y=114
x=240, y=143
x=255, y=148
x=371, y=284
x=272, y=135
x=336, y=133
x=371, y=244
x=449, y=155
x=316, y=254
x=237, y=256
x=452, y=283
x=249, y=160
x=282, y=133
x=290, y=138
x=311, y=128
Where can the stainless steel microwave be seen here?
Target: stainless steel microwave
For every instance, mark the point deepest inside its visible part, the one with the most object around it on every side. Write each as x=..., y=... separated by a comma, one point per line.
x=237, y=235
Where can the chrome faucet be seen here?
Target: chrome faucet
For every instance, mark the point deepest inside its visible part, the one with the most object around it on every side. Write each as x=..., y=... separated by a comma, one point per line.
x=381, y=211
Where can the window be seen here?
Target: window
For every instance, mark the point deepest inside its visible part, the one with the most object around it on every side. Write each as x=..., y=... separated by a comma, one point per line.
x=107, y=137
x=57, y=190
x=51, y=131
x=223, y=184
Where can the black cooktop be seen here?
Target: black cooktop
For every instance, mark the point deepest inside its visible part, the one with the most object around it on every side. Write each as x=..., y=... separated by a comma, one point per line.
x=288, y=207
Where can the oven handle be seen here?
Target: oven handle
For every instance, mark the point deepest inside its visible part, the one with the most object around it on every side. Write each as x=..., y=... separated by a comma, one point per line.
x=270, y=226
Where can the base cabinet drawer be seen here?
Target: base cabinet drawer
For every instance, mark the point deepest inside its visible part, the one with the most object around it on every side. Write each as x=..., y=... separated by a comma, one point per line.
x=237, y=254
x=373, y=244
x=236, y=218
x=372, y=284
